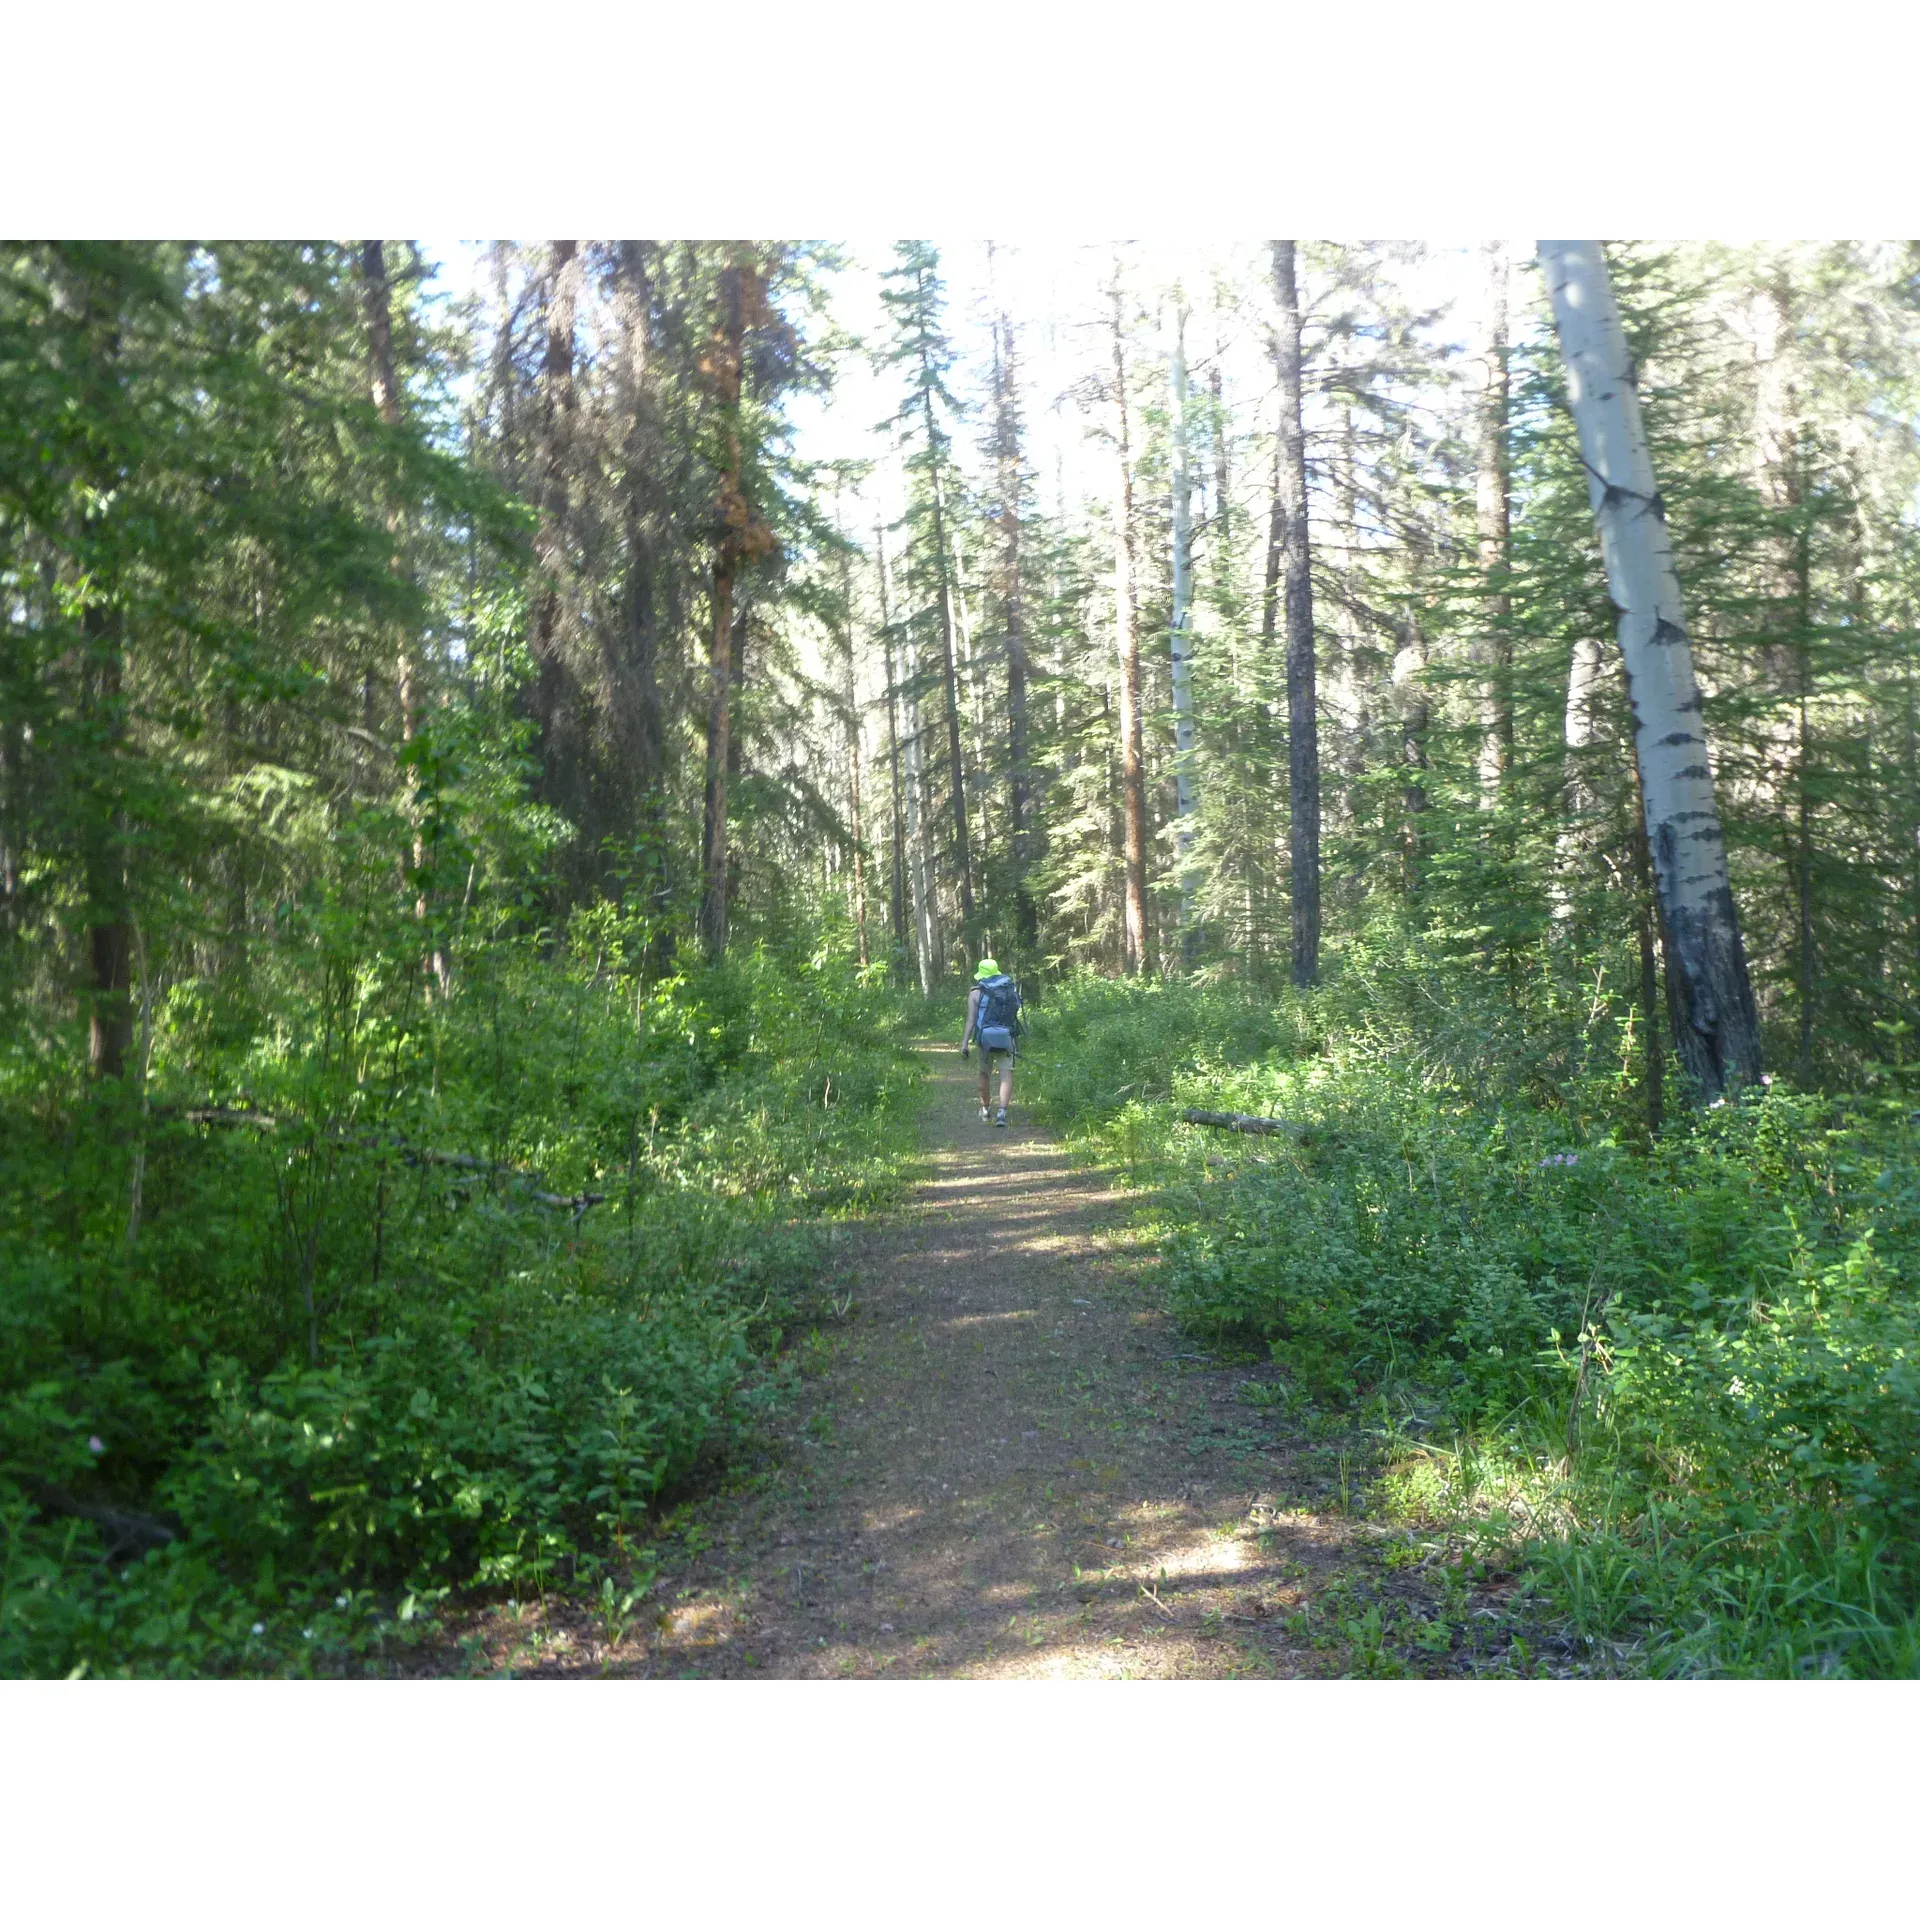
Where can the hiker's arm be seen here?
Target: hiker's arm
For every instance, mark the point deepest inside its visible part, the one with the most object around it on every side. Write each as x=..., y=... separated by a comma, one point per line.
x=966, y=1039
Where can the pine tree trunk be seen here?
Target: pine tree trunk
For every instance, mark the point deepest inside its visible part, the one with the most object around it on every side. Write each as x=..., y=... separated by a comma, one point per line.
x=109, y=914
x=1716, y=1027
x=1181, y=639
x=1303, y=745
x=386, y=401
x=1008, y=511
x=1412, y=707
x=943, y=582
x=852, y=701
x=1807, y=968
x=896, y=866
x=739, y=295
x=1133, y=792
x=553, y=693
x=1493, y=522
x=1349, y=695
x=640, y=617
x=918, y=870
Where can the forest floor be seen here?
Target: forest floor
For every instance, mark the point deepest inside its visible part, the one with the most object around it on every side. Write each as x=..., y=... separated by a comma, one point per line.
x=1002, y=1461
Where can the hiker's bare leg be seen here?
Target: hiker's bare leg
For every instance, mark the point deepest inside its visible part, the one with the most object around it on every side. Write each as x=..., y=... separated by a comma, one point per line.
x=986, y=1077
x=1006, y=1081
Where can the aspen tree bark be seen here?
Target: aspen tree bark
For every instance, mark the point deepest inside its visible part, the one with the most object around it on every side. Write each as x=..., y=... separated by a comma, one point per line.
x=1716, y=1028
x=1579, y=801
x=1181, y=634
x=1493, y=523
x=1133, y=795
x=1296, y=564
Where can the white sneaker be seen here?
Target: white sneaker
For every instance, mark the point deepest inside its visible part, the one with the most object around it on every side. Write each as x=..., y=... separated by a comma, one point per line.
x=983, y=1116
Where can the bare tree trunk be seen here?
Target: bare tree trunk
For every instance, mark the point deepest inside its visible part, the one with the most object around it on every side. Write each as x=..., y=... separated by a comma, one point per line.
x=1348, y=699
x=1303, y=744
x=1011, y=487
x=104, y=862
x=386, y=400
x=739, y=296
x=1646, y=912
x=1716, y=1027
x=852, y=700
x=1413, y=710
x=943, y=581
x=553, y=694
x=1579, y=801
x=1186, y=798
x=919, y=877
x=1493, y=518
x=1806, y=951
x=1133, y=789
x=641, y=638
x=896, y=866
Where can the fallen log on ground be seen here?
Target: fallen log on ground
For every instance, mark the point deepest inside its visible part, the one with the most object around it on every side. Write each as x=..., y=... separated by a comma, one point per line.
x=1241, y=1122
x=251, y=1117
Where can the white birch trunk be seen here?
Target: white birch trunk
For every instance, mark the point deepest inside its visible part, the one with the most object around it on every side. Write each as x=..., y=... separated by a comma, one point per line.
x=1717, y=1033
x=1579, y=798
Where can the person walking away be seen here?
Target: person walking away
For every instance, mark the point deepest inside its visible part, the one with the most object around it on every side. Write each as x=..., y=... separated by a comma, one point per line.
x=993, y=1021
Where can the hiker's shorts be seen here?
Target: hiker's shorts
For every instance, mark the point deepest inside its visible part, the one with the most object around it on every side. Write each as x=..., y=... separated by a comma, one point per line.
x=992, y=1057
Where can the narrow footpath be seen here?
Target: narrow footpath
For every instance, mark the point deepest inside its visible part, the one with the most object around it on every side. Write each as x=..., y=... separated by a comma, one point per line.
x=1004, y=1462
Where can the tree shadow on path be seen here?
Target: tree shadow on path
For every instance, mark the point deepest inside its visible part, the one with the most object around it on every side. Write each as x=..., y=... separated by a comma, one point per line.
x=1004, y=1462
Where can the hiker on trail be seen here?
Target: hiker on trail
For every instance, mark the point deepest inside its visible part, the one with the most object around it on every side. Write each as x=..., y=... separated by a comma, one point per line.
x=993, y=1020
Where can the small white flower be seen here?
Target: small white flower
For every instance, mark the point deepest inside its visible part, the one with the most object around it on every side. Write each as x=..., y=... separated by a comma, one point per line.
x=258, y=1627
x=306, y=1633
x=95, y=1444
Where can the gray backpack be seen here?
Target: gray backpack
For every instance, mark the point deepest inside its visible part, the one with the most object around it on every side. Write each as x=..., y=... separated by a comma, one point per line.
x=997, y=1023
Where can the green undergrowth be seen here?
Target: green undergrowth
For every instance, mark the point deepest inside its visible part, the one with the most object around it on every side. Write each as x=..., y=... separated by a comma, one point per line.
x=323, y=1333
x=1674, y=1380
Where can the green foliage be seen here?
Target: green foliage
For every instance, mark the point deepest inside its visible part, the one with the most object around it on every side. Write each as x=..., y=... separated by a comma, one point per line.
x=1685, y=1372
x=332, y=1365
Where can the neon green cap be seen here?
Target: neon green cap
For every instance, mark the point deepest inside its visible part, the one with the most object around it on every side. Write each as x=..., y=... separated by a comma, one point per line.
x=986, y=969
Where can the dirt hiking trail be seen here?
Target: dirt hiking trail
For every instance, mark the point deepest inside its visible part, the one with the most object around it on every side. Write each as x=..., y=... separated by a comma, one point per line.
x=1004, y=1462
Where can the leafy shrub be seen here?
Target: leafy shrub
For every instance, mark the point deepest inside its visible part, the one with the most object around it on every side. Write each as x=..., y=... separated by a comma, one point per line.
x=1714, y=1334
x=350, y=1362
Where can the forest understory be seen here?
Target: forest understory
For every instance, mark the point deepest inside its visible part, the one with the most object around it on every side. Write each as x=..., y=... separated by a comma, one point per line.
x=1003, y=1459
x=506, y=759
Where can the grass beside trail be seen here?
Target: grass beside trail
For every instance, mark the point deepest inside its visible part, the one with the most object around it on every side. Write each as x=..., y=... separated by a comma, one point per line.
x=1675, y=1382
